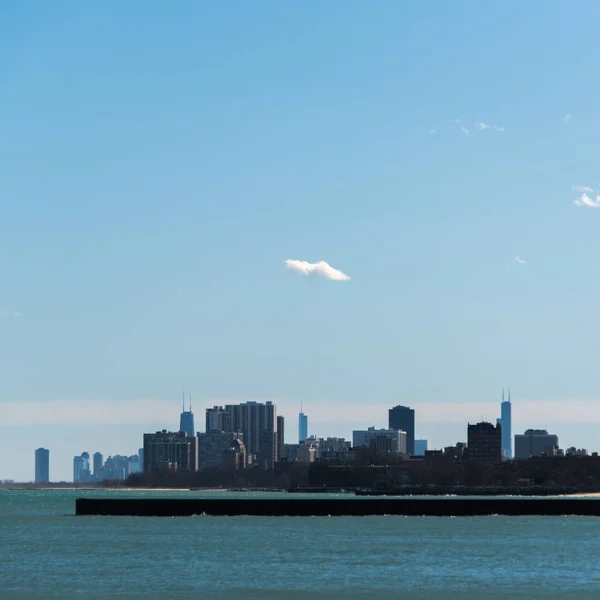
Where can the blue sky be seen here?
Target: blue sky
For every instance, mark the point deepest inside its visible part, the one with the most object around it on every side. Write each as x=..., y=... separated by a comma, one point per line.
x=160, y=162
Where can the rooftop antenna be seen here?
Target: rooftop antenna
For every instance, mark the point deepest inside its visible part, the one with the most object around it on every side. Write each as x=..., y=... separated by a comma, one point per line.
x=301, y=409
x=190, y=403
x=183, y=402
x=509, y=393
x=502, y=394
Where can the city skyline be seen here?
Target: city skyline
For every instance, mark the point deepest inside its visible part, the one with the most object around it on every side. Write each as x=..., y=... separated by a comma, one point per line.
x=346, y=206
x=406, y=411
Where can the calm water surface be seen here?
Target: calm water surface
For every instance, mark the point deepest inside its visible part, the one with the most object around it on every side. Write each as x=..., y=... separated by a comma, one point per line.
x=46, y=552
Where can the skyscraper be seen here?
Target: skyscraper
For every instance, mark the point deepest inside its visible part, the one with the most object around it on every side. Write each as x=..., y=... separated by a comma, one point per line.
x=42, y=465
x=81, y=468
x=403, y=417
x=186, y=420
x=165, y=450
x=302, y=427
x=98, y=461
x=505, y=422
x=485, y=442
x=217, y=419
x=280, y=438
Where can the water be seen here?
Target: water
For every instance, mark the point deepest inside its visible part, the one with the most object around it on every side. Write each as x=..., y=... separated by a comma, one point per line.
x=46, y=552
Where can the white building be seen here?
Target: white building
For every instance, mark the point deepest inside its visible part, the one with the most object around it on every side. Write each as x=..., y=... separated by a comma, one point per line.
x=391, y=441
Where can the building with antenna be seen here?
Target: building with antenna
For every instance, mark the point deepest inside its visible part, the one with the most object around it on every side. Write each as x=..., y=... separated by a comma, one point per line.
x=186, y=420
x=505, y=422
x=302, y=426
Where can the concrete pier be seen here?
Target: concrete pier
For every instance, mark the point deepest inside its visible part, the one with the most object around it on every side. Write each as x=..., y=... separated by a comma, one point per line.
x=350, y=506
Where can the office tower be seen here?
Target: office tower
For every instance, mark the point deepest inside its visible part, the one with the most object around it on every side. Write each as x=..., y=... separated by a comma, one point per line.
x=388, y=441
x=258, y=423
x=302, y=427
x=217, y=419
x=98, y=461
x=505, y=421
x=141, y=455
x=484, y=442
x=280, y=438
x=165, y=450
x=420, y=447
x=535, y=442
x=186, y=420
x=81, y=468
x=42, y=465
x=403, y=418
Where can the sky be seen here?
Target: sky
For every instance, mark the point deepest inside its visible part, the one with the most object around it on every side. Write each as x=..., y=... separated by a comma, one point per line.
x=429, y=172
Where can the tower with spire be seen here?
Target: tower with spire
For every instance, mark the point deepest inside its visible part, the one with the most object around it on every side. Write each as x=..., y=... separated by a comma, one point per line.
x=302, y=425
x=186, y=420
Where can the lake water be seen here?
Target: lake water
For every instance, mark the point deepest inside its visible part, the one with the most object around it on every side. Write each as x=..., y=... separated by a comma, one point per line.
x=46, y=552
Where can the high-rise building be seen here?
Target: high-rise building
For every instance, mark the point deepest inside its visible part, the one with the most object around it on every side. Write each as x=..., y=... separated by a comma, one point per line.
x=535, y=442
x=302, y=427
x=258, y=423
x=403, y=418
x=81, y=468
x=217, y=419
x=141, y=455
x=212, y=445
x=186, y=420
x=505, y=422
x=280, y=438
x=420, y=447
x=98, y=461
x=388, y=441
x=484, y=441
x=165, y=450
x=42, y=465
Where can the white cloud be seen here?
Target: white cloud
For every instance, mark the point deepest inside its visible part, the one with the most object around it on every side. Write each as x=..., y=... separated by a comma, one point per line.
x=498, y=128
x=456, y=121
x=566, y=118
x=481, y=125
x=432, y=131
x=319, y=268
x=582, y=188
x=585, y=200
x=464, y=130
x=520, y=261
x=10, y=313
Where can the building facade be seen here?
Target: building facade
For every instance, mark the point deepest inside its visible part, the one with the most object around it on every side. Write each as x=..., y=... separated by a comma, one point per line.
x=81, y=468
x=166, y=450
x=42, y=465
x=280, y=438
x=535, y=442
x=420, y=447
x=387, y=441
x=484, y=442
x=505, y=421
x=98, y=463
x=217, y=419
x=403, y=418
x=212, y=445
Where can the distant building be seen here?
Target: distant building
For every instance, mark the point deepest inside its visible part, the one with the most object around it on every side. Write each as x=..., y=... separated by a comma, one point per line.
x=302, y=427
x=420, y=447
x=484, y=442
x=505, y=421
x=217, y=419
x=42, y=465
x=141, y=455
x=212, y=445
x=306, y=453
x=81, y=468
x=535, y=442
x=576, y=451
x=280, y=438
x=388, y=441
x=98, y=461
x=165, y=450
x=291, y=452
x=186, y=420
x=403, y=418
x=234, y=456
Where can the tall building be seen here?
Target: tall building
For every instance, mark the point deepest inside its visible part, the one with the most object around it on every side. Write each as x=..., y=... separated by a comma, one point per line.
x=535, y=442
x=212, y=445
x=42, y=465
x=280, y=438
x=403, y=418
x=484, y=442
x=420, y=447
x=217, y=419
x=98, y=461
x=165, y=450
x=186, y=420
x=81, y=468
x=387, y=441
x=258, y=423
x=141, y=455
x=302, y=427
x=505, y=422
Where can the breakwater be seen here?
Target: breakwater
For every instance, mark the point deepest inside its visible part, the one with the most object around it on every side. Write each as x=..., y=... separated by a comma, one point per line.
x=323, y=507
